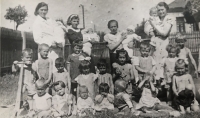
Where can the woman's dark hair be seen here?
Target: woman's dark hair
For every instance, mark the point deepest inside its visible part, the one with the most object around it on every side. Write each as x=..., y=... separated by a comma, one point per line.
x=163, y=4
x=109, y=22
x=59, y=62
x=122, y=52
x=61, y=83
x=41, y=4
x=85, y=64
x=101, y=63
x=104, y=87
x=71, y=17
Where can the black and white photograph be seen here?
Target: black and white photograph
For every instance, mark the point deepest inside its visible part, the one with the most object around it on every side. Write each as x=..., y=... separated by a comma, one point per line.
x=100, y=59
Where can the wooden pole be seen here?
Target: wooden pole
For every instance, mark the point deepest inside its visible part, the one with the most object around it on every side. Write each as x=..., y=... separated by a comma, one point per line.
x=19, y=100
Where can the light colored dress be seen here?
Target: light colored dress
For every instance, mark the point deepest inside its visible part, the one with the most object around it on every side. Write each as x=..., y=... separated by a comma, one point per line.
x=64, y=76
x=106, y=78
x=145, y=63
x=161, y=52
x=105, y=103
x=88, y=81
x=44, y=32
x=169, y=68
x=147, y=100
x=41, y=102
x=83, y=104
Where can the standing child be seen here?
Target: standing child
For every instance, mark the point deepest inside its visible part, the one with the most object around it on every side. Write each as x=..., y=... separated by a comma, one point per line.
x=85, y=103
x=144, y=64
x=182, y=81
x=169, y=69
x=122, y=100
x=86, y=78
x=104, y=77
x=123, y=69
x=73, y=63
x=185, y=52
x=29, y=75
x=62, y=75
x=61, y=101
x=44, y=65
x=149, y=99
x=131, y=37
x=42, y=101
x=104, y=100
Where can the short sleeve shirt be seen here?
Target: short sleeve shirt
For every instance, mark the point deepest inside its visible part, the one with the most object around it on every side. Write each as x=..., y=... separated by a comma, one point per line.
x=41, y=102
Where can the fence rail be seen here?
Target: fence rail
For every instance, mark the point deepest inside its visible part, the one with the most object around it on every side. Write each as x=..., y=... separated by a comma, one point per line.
x=11, y=46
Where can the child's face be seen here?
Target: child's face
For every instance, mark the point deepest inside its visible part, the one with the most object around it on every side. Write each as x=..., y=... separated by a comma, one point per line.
x=181, y=70
x=130, y=31
x=86, y=71
x=102, y=69
x=90, y=31
x=180, y=43
x=60, y=68
x=154, y=13
x=75, y=23
x=144, y=52
x=41, y=91
x=60, y=90
x=147, y=84
x=27, y=58
x=84, y=94
x=172, y=53
x=44, y=52
x=122, y=59
x=77, y=49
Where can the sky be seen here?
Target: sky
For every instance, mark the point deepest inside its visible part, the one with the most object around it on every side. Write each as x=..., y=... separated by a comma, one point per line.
x=97, y=12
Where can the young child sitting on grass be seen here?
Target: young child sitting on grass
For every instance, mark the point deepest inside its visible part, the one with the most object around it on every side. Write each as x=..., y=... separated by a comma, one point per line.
x=85, y=104
x=42, y=101
x=104, y=100
x=29, y=75
x=62, y=101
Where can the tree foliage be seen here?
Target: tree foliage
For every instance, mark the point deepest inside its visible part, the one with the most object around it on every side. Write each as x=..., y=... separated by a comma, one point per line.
x=17, y=14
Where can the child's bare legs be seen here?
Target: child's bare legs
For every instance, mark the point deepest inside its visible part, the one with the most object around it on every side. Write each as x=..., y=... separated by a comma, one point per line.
x=195, y=106
x=182, y=109
x=126, y=110
x=169, y=93
x=162, y=107
x=188, y=110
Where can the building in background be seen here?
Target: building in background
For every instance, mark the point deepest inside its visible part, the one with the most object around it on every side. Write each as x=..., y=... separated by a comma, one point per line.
x=176, y=9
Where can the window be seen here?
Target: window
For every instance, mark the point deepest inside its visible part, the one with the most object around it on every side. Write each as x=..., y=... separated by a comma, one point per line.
x=180, y=24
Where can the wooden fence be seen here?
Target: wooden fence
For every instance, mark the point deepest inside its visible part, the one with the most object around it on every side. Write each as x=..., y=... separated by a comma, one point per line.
x=11, y=46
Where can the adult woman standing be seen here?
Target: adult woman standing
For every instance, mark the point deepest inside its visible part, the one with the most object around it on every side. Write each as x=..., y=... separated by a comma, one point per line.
x=162, y=33
x=43, y=32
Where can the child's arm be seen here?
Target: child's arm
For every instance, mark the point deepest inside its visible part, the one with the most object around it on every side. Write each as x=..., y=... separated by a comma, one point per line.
x=152, y=86
x=111, y=85
x=193, y=61
x=99, y=98
x=110, y=98
x=192, y=83
x=174, y=86
x=143, y=81
x=137, y=67
x=131, y=72
x=49, y=102
x=50, y=72
x=77, y=91
x=69, y=83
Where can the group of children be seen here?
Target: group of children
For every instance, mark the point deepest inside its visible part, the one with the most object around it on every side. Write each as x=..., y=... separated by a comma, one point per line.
x=76, y=90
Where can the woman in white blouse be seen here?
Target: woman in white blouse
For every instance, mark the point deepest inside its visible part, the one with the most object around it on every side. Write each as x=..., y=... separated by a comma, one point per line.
x=47, y=31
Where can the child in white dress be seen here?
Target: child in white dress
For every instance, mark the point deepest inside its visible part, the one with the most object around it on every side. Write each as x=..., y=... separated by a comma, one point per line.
x=85, y=103
x=104, y=100
x=61, y=102
x=131, y=37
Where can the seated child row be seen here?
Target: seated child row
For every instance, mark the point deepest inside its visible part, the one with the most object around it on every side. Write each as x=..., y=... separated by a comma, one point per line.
x=88, y=88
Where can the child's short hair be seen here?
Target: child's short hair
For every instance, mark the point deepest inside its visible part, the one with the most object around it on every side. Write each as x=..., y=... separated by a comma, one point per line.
x=170, y=47
x=27, y=51
x=145, y=46
x=85, y=64
x=101, y=63
x=120, y=85
x=59, y=62
x=180, y=36
x=122, y=52
x=152, y=9
x=42, y=45
x=61, y=83
x=104, y=87
x=71, y=17
x=180, y=63
x=77, y=43
x=40, y=83
x=109, y=22
x=83, y=88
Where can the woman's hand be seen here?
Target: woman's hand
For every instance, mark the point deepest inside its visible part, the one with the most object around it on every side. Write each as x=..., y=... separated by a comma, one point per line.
x=123, y=36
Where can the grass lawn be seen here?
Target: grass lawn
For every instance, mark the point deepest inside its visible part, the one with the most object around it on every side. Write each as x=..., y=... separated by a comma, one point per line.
x=8, y=90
